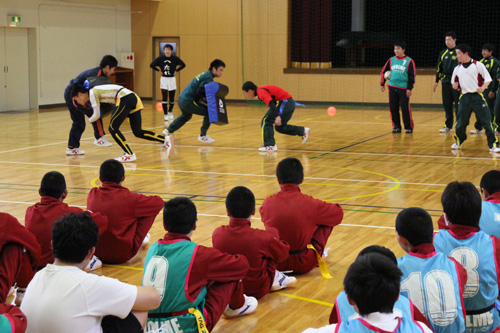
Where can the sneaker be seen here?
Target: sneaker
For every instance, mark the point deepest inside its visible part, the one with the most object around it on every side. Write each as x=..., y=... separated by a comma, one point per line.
x=146, y=239
x=495, y=150
x=409, y=131
x=126, y=158
x=306, y=134
x=455, y=146
x=269, y=148
x=476, y=131
x=247, y=308
x=94, y=263
x=281, y=281
x=165, y=117
x=170, y=115
x=74, y=151
x=102, y=142
x=445, y=130
x=205, y=139
x=396, y=130
x=19, y=296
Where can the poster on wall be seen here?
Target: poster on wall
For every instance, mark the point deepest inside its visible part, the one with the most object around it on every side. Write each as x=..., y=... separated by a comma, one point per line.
x=174, y=45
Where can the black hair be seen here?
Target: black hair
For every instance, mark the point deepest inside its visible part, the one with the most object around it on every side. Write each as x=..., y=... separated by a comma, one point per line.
x=78, y=88
x=249, y=85
x=108, y=60
x=491, y=181
x=53, y=184
x=380, y=250
x=290, y=171
x=465, y=48
x=488, y=46
x=451, y=34
x=111, y=171
x=373, y=282
x=73, y=235
x=216, y=64
x=168, y=46
x=240, y=202
x=179, y=215
x=415, y=224
x=462, y=203
x=400, y=44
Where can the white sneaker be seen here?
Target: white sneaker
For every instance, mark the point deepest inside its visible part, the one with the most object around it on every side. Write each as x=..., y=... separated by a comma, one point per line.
x=455, y=146
x=74, y=151
x=476, y=131
x=170, y=116
x=102, y=142
x=94, y=263
x=306, y=134
x=281, y=281
x=269, y=148
x=126, y=158
x=165, y=117
x=445, y=130
x=247, y=308
x=146, y=239
x=495, y=150
x=19, y=296
x=205, y=139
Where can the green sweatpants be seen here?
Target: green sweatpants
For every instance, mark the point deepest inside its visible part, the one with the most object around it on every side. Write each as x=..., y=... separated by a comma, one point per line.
x=286, y=109
x=474, y=102
x=188, y=108
x=491, y=106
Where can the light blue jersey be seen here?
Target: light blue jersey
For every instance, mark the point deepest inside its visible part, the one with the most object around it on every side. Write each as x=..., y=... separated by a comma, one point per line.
x=490, y=218
x=432, y=282
x=476, y=253
x=345, y=312
x=406, y=325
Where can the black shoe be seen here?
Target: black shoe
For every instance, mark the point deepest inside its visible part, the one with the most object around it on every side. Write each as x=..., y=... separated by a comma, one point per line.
x=396, y=130
x=409, y=131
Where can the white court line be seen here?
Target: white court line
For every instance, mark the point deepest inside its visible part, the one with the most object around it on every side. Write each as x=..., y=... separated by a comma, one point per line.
x=231, y=174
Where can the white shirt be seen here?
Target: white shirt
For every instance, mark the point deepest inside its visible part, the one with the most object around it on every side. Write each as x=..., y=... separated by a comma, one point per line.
x=67, y=299
x=468, y=77
x=106, y=93
x=385, y=321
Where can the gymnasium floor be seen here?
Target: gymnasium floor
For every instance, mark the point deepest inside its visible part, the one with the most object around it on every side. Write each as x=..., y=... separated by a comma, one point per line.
x=351, y=158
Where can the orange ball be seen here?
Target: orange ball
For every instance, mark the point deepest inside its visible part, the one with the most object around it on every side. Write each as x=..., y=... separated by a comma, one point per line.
x=331, y=111
x=159, y=106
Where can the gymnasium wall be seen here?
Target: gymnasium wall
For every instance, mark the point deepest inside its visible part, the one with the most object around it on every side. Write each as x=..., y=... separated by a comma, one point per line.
x=211, y=29
x=69, y=37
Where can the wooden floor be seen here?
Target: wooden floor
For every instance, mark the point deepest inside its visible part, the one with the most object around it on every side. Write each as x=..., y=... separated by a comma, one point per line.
x=351, y=158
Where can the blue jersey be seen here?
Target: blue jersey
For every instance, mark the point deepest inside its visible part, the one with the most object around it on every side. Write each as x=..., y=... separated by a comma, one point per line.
x=490, y=218
x=345, y=311
x=481, y=290
x=432, y=282
x=406, y=325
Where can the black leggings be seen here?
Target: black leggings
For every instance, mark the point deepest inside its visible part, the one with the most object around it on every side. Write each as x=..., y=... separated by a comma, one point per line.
x=167, y=95
x=127, y=104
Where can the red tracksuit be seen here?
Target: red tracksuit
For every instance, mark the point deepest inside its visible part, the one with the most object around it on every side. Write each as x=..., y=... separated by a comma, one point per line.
x=15, y=263
x=262, y=248
x=220, y=273
x=130, y=216
x=16, y=317
x=300, y=220
x=41, y=216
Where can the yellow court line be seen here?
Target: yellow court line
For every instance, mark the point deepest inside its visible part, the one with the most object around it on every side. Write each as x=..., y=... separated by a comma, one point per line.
x=126, y=267
x=310, y=300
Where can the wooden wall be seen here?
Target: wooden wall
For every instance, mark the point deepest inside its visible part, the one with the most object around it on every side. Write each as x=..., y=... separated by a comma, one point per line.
x=210, y=29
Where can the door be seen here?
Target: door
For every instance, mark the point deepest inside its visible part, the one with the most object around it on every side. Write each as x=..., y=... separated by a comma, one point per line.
x=158, y=44
x=14, y=85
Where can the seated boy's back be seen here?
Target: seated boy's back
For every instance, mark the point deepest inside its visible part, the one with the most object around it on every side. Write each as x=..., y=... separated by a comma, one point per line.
x=490, y=206
x=262, y=248
x=130, y=215
x=41, y=216
x=477, y=251
x=300, y=219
